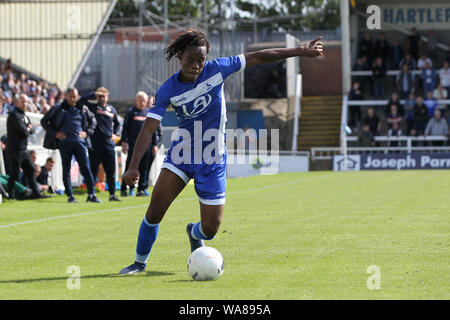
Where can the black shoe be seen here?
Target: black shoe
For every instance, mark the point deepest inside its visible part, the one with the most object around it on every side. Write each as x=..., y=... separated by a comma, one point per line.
x=195, y=244
x=93, y=198
x=72, y=199
x=113, y=197
x=136, y=267
x=123, y=193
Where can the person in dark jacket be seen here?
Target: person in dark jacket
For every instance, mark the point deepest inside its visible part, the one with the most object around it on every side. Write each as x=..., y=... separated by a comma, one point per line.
x=19, y=128
x=104, y=139
x=132, y=124
x=69, y=127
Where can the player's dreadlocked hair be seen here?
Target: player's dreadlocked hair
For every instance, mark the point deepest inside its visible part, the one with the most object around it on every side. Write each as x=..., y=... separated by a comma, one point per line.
x=190, y=38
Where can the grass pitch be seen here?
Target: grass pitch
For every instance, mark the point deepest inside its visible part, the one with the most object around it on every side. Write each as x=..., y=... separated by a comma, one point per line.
x=288, y=236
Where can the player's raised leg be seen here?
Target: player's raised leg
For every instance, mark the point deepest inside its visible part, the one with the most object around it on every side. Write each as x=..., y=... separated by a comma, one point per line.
x=166, y=189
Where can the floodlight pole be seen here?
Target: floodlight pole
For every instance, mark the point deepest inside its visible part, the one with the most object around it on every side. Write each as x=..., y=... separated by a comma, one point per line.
x=345, y=49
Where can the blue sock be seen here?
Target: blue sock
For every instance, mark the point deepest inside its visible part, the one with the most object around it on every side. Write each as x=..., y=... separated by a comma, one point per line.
x=197, y=232
x=146, y=238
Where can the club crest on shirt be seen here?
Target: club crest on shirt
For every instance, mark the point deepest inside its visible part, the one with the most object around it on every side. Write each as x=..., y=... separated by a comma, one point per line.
x=199, y=105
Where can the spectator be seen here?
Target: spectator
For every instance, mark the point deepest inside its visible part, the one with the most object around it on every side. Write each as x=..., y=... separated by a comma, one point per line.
x=437, y=126
x=428, y=79
x=396, y=53
x=444, y=76
x=379, y=76
x=104, y=138
x=440, y=93
x=68, y=127
x=394, y=131
x=366, y=48
x=409, y=112
x=409, y=61
x=414, y=43
x=19, y=128
x=430, y=103
x=420, y=116
x=405, y=82
x=42, y=178
x=355, y=111
x=394, y=100
x=365, y=137
x=423, y=60
x=132, y=123
x=394, y=116
x=381, y=48
x=361, y=65
x=432, y=47
x=4, y=83
x=8, y=105
x=373, y=121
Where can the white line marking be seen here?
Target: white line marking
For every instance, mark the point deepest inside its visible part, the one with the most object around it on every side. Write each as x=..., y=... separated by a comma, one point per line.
x=80, y=214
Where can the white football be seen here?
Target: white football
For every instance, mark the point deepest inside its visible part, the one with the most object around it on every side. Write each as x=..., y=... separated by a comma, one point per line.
x=205, y=263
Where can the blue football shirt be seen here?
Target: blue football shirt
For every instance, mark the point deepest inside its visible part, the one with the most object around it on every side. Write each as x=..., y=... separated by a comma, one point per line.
x=200, y=106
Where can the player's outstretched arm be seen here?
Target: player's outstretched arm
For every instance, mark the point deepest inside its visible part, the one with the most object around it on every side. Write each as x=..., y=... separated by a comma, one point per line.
x=313, y=48
x=131, y=177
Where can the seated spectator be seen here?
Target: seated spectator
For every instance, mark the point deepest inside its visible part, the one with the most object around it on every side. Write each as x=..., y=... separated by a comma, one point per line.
x=365, y=136
x=42, y=178
x=420, y=116
x=405, y=82
x=379, y=78
x=355, y=111
x=394, y=100
x=428, y=79
x=4, y=83
x=437, y=126
x=20, y=191
x=395, y=131
x=423, y=60
x=444, y=76
x=373, y=121
x=440, y=93
x=431, y=103
x=396, y=53
x=394, y=116
x=409, y=61
x=8, y=104
x=409, y=112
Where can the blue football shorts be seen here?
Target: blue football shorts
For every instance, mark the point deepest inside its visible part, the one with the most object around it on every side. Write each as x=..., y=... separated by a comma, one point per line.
x=209, y=179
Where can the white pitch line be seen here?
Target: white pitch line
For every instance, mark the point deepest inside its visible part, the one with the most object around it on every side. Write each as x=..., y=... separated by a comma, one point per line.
x=80, y=214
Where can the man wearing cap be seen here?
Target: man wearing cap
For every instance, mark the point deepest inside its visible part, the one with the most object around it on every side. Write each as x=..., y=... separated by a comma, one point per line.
x=104, y=138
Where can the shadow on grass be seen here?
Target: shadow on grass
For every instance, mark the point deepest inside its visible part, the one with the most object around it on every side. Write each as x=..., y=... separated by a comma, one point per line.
x=92, y=276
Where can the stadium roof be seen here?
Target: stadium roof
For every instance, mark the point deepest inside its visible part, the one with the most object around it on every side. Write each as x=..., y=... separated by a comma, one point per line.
x=52, y=39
